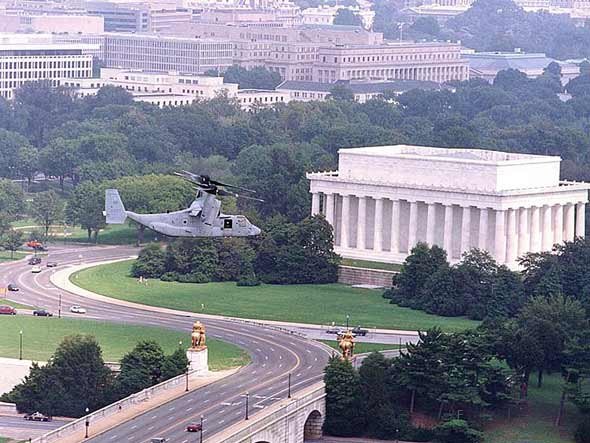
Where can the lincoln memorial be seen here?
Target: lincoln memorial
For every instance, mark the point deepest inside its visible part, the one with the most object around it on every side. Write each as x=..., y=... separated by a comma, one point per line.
x=385, y=199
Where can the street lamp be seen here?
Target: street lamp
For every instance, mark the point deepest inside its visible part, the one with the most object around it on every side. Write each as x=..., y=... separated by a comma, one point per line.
x=247, y=398
x=347, y=318
x=186, y=372
x=59, y=307
x=87, y=422
x=201, y=437
x=20, y=353
x=289, y=389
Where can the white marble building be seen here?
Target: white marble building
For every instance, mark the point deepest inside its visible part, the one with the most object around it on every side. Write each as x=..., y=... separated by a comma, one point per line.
x=383, y=200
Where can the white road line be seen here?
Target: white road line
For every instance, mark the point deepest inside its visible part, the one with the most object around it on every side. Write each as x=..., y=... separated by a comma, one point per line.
x=154, y=417
x=189, y=409
x=221, y=422
x=150, y=428
x=172, y=408
x=113, y=437
x=134, y=426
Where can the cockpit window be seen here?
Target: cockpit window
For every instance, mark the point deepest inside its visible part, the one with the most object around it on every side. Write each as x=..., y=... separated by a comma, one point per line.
x=227, y=223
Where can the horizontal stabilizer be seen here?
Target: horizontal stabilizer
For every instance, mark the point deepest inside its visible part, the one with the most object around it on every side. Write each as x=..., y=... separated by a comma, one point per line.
x=114, y=209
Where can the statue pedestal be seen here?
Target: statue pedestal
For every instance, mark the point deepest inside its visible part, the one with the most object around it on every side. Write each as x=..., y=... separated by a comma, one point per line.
x=198, y=360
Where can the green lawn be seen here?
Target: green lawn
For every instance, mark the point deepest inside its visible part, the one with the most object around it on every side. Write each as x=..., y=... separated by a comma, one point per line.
x=41, y=336
x=319, y=304
x=362, y=347
x=536, y=424
x=6, y=256
x=371, y=264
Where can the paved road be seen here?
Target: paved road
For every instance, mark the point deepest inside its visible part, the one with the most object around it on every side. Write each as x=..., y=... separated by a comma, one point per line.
x=274, y=354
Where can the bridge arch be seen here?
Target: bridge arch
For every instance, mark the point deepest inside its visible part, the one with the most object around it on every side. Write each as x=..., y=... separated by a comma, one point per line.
x=312, y=430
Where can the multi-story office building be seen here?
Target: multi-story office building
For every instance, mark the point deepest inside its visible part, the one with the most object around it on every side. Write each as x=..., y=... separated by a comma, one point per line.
x=12, y=22
x=158, y=53
x=330, y=53
x=24, y=59
x=438, y=62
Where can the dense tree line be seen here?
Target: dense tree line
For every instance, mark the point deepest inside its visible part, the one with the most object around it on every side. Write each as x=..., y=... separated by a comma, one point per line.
x=286, y=253
x=249, y=78
x=476, y=287
x=478, y=373
x=76, y=377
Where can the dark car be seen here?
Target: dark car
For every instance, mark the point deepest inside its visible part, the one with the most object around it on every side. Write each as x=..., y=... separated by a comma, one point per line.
x=194, y=427
x=37, y=416
x=359, y=331
x=34, y=260
x=42, y=313
x=7, y=310
x=334, y=330
x=13, y=288
x=51, y=264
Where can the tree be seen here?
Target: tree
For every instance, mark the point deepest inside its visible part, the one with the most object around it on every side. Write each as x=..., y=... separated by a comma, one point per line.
x=60, y=158
x=342, y=399
x=85, y=208
x=150, y=263
x=12, y=200
x=11, y=158
x=341, y=92
x=254, y=78
x=347, y=17
x=174, y=364
x=11, y=241
x=140, y=368
x=74, y=379
x=46, y=209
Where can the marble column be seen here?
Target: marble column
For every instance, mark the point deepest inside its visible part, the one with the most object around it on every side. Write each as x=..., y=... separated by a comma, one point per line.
x=558, y=224
x=412, y=225
x=361, y=223
x=448, y=231
x=430, y=223
x=345, y=219
x=547, y=236
x=315, y=203
x=394, y=248
x=329, y=209
x=580, y=220
x=483, y=229
x=570, y=221
x=512, y=240
x=523, y=234
x=465, y=229
x=500, y=238
x=378, y=237
x=535, y=225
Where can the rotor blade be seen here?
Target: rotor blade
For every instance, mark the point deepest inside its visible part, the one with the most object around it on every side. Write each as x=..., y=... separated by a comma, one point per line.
x=236, y=195
x=215, y=182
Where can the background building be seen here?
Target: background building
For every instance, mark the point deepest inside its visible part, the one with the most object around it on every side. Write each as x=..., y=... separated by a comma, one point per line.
x=486, y=65
x=383, y=200
x=32, y=58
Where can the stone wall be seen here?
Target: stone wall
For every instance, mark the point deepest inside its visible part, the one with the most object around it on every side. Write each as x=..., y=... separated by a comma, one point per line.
x=350, y=275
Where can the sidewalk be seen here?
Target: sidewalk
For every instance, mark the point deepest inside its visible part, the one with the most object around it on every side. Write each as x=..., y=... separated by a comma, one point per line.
x=61, y=279
x=130, y=412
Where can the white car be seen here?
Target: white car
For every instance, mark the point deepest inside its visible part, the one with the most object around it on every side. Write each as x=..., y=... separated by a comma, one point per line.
x=36, y=269
x=78, y=310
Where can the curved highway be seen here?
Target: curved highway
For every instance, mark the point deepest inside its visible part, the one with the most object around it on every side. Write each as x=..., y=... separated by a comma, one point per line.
x=274, y=354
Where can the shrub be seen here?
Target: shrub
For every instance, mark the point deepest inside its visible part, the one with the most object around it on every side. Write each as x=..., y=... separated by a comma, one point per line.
x=248, y=280
x=151, y=262
x=454, y=431
x=195, y=277
x=582, y=434
x=169, y=276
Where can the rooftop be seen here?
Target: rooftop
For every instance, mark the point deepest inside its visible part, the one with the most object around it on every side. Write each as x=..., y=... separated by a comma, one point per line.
x=466, y=155
x=360, y=87
x=499, y=61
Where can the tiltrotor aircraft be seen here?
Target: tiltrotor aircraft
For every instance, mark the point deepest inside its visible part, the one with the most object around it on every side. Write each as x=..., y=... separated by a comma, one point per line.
x=203, y=218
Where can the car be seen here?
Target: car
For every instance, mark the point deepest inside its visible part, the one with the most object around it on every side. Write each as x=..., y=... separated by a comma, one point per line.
x=334, y=330
x=34, y=260
x=12, y=287
x=359, y=331
x=158, y=440
x=36, y=269
x=7, y=310
x=37, y=416
x=42, y=313
x=51, y=264
x=194, y=427
x=77, y=309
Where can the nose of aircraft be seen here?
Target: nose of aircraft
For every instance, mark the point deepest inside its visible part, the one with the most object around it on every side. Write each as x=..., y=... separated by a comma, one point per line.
x=255, y=230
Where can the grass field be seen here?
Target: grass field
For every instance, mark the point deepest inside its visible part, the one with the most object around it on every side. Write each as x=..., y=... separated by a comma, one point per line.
x=5, y=256
x=361, y=347
x=535, y=424
x=371, y=264
x=41, y=336
x=319, y=304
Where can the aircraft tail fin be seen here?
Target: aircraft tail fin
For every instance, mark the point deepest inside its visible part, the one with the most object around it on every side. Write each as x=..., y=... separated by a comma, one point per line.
x=114, y=209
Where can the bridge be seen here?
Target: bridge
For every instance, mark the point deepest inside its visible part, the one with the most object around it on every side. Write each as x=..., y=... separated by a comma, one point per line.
x=295, y=420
